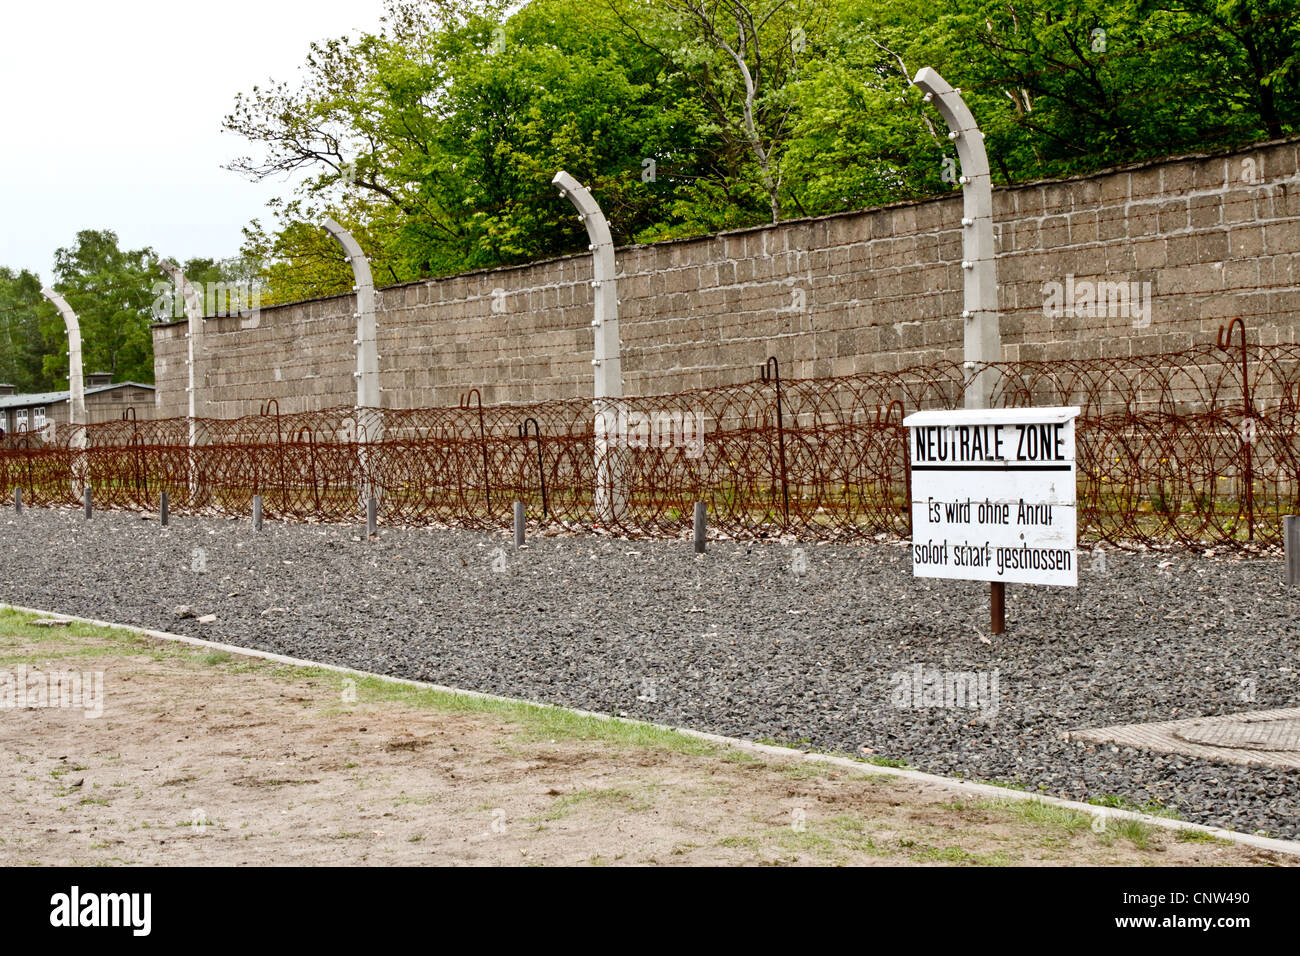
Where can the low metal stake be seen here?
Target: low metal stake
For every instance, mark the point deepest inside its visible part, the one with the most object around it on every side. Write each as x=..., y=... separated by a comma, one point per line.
x=372, y=517
x=164, y=509
x=1291, y=539
x=257, y=512
x=87, y=502
x=701, y=526
x=18, y=501
x=520, y=526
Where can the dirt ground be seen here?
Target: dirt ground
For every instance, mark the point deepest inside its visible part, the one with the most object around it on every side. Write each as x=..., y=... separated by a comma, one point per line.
x=206, y=758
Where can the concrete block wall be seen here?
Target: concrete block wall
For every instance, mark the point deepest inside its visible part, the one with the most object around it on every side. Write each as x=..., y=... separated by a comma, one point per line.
x=1215, y=236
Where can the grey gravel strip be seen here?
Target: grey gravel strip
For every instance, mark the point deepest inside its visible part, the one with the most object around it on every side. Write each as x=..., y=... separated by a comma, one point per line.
x=828, y=647
x=766, y=750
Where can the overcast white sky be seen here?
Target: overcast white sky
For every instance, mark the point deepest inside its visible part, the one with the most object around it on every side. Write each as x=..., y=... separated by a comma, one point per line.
x=112, y=116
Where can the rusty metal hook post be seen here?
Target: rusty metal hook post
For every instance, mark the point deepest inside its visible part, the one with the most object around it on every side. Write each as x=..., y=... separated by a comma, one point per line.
x=311, y=457
x=541, y=471
x=482, y=440
x=1225, y=343
x=885, y=413
x=279, y=445
x=136, y=443
x=1248, y=419
x=771, y=372
x=26, y=439
x=885, y=417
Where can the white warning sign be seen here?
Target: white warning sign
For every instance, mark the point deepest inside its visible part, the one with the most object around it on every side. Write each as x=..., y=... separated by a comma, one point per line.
x=993, y=495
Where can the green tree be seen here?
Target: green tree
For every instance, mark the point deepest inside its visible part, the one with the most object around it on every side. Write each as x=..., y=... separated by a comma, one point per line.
x=435, y=138
x=113, y=293
x=456, y=131
x=1069, y=86
x=1250, y=52
x=22, y=346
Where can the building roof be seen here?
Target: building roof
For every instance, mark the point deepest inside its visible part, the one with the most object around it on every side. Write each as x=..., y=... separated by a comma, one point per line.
x=53, y=398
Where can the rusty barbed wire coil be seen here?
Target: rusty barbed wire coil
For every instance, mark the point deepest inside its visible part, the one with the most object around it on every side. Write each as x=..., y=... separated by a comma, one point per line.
x=1194, y=448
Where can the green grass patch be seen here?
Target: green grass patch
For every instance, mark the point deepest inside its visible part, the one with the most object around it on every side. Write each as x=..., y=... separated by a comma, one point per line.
x=956, y=856
x=1141, y=835
x=566, y=804
x=18, y=624
x=1151, y=809
x=41, y=658
x=740, y=842
x=884, y=762
x=534, y=721
x=1043, y=815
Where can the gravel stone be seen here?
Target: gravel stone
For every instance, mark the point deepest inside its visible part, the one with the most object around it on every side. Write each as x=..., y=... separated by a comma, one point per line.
x=735, y=641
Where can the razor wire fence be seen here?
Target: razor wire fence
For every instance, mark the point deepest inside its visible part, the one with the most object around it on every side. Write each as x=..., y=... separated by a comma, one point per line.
x=1196, y=447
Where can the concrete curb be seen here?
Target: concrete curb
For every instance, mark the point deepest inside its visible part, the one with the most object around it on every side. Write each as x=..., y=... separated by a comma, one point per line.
x=984, y=790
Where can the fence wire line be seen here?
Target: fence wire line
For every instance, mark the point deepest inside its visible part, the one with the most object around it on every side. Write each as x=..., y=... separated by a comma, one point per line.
x=1196, y=448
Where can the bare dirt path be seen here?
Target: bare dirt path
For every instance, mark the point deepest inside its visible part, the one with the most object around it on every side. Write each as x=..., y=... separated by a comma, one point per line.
x=205, y=758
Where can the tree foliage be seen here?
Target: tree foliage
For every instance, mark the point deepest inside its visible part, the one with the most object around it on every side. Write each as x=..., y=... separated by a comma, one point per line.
x=112, y=292
x=22, y=345
x=436, y=137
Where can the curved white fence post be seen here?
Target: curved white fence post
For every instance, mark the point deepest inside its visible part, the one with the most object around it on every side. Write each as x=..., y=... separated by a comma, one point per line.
x=370, y=422
x=983, y=340
x=76, y=388
x=194, y=356
x=367, y=373
x=76, y=372
x=607, y=362
x=983, y=337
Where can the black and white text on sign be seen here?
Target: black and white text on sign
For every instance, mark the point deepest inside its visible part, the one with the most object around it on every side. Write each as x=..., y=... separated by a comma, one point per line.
x=993, y=495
